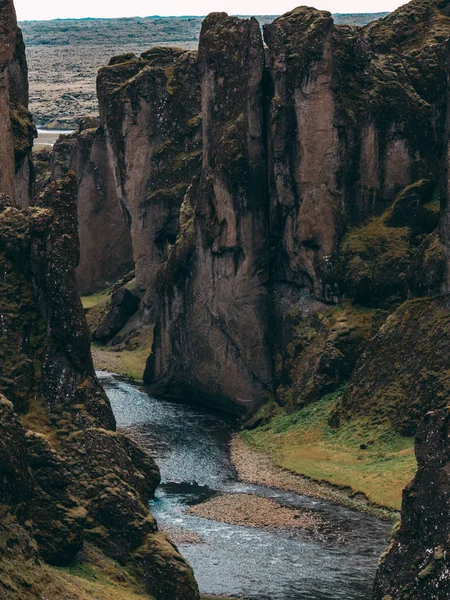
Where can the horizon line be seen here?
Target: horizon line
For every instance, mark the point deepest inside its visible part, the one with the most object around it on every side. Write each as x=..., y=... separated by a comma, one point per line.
x=179, y=17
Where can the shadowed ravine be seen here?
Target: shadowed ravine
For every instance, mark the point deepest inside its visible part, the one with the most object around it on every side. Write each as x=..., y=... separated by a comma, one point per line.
x=191, y=447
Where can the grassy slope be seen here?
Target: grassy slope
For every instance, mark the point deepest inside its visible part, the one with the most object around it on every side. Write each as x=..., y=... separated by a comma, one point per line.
x=91, y=301
x=303, y=442
x=128, y=363
x=92, y=577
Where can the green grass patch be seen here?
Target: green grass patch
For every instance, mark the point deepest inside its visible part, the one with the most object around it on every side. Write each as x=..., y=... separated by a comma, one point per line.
x=94, y=299
x=367, y=457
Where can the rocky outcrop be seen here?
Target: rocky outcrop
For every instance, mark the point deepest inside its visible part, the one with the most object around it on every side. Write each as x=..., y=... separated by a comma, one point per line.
x=16, y=130
x=106, y=253
x=403, y=372
x=67, y=476
x=355, y=115
x=150, y=110
x=211, y=339
x=124, y=305
x=416, y=564
x=345, y=133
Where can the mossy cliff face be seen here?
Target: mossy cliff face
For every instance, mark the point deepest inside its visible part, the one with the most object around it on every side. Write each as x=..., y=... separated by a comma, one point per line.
x=211, y=340
x=16, y=129
x=106, y=253
x=67, y=476
x=332, y=189
x=150, y=112
x=404, y=371
x=416, y=564
x=355, y=115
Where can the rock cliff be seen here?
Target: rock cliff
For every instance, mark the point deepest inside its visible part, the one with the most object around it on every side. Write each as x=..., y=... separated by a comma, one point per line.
x=333, y=184
x=106, y=253
x=150, y=111
x=56, y=469
x=211, y=337
x=416, y=564
x=16, y=130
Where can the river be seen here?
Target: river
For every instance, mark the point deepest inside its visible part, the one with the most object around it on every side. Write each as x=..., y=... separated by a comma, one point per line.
x=191, y=447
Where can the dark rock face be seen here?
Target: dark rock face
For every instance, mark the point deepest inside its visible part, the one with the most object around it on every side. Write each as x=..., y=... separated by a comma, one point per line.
x=332, y=188
x=218, y=299
x=150, y=111
x=70, y=477
x=368, y=109
x=106, y=253
x=416, y=563
x=124, y=305
x=16, y=482
x=304, y=199
x=16, y=130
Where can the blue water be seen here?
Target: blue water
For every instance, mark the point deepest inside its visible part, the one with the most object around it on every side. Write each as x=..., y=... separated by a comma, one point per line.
x=191, y=447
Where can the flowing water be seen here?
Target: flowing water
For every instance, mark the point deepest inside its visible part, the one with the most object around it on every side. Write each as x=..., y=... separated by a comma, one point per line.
x=191, y=447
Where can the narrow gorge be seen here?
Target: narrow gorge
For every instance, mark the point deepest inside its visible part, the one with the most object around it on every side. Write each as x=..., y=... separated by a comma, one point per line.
x=260, y=227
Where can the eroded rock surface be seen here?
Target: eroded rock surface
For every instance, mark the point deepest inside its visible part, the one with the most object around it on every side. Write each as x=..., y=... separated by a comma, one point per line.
x=416, y=564
x=16, y=129
x=67, y=476
x=106, y=253
x=211, y=338
x=150, y=109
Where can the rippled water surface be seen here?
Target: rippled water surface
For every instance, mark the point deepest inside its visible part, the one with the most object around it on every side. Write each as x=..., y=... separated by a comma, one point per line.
x=190, y=446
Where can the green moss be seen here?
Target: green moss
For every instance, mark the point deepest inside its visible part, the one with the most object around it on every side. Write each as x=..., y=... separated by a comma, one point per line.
x=94, y=299
x=370, y=459
x=404, y=372
x=375, y=261
x=322, y=350
x=23, y=130
x=122, y=58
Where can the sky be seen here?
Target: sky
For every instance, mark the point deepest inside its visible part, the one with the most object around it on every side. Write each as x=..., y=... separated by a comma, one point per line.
x=54, y=9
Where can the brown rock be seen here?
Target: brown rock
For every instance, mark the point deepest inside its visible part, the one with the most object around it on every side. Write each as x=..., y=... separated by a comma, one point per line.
x=417, y=561
x=16, y=129
x=150, y=111
x=124, y=305
x=106, y=253
x=211, y=340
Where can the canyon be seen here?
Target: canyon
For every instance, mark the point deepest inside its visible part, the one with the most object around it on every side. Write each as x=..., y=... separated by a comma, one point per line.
x=273, y=208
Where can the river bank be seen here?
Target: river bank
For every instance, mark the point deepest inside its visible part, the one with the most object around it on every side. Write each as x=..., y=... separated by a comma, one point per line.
x=252, y=466
x=258, y=468
x=191, y=445
x=250, y=510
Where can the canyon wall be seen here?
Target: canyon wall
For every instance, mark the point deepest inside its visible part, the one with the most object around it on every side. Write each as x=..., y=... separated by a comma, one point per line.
x=150, y=110
x=341, y=140
x=211, y=337
x=106, y=253
x=73, y=489
x=16, y=129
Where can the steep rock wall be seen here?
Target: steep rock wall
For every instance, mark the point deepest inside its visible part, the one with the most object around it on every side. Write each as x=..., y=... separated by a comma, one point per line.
x=16, y=129
x=354, y=116
x=69, y=441
x=353, y=134
x=106, y=253
x=211, y=340
x=416, y=564
x=150, y=111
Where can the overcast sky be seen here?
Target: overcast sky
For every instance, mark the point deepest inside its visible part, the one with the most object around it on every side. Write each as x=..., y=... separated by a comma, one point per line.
x=53, y=9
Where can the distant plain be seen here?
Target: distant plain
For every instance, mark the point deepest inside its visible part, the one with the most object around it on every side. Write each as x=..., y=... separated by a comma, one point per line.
x=65, y=55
